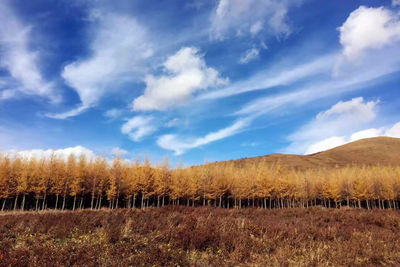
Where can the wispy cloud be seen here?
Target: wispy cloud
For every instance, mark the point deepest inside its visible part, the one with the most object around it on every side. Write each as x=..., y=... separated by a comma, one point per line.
x=119, y=152
x=269, y=78
x=138, y=127
x=20, y=61
x=354, y=80
x=249, y=55
x=113, y=113
x=119, y=50
x=250, y=18
x=180, y=144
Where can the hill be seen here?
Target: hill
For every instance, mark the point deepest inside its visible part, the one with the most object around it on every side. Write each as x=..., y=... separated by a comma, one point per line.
x=369, y=151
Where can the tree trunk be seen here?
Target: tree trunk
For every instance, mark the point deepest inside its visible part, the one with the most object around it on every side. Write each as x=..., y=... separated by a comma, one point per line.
x=92, y=202
x=44, y=202
x=163, y=197
x=23, y=202
x=80, y=205
x=37, y=203
x=15, y=202
x=73, y=208
x=100, y=200
x=56, y=206
x=97, y=202
x=4, y=204
x=63, y=205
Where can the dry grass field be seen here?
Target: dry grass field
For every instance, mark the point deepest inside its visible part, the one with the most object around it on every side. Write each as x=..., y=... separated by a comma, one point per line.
x=204, y=236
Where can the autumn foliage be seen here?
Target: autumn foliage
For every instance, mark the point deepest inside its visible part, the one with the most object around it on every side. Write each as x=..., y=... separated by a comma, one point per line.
x=77, y=183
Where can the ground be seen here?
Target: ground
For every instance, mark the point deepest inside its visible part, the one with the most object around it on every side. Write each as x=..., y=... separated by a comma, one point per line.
x=185, y=236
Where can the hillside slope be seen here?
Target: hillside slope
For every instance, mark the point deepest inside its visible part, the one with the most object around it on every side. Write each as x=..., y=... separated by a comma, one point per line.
x=369, y=151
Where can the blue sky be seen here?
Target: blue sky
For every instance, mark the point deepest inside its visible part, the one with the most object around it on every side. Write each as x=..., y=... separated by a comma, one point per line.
x=197, y=79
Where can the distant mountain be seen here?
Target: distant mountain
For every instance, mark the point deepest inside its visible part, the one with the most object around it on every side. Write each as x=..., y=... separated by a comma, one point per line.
x=369, y=151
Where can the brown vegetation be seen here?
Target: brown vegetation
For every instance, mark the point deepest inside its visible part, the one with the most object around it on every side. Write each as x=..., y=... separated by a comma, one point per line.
x=186, y=236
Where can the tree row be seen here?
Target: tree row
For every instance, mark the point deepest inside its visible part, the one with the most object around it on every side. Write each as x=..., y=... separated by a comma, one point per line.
x=77, y=183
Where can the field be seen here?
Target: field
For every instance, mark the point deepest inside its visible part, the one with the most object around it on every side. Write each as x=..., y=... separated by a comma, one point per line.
x=201, y=236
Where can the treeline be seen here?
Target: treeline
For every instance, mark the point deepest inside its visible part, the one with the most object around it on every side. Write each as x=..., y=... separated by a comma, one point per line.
x=78, y=183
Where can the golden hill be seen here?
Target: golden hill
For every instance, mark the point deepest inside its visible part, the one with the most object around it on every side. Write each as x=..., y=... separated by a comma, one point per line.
x=369, y=151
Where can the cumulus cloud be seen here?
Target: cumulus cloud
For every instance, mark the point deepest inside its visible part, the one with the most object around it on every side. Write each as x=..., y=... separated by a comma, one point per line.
x=329, y=128
x=119, y=152
x=187, y=74
x=180, y=144
x=118, y=52
x=60, y=153
x=138, y=127
x=20, y=61
x=249, y=55
x=250, y=17
x=369, y=28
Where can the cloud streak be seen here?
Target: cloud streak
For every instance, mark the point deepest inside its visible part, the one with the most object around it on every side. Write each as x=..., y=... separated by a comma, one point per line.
x=180, y=144
x=21, y=62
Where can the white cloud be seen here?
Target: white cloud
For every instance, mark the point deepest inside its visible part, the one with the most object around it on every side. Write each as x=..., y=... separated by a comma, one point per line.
x=338, y=119
x=116, y=151
x=369, y=28
x=118, y=52
x=368, y=133
x=113, y=113
x=187, y=74
x=20, y=61
x=138, y=127
x=330, y=128
x=180, y=144
x=60, y=153
x=326, y=144
x=393, y=131
x=395, y=2
x=249, y=55
x=250, y=17
x=172, y=122
x=256, y=28
x=335, y=141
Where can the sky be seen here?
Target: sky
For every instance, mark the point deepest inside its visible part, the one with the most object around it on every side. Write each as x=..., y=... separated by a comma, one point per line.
x=196, y=80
